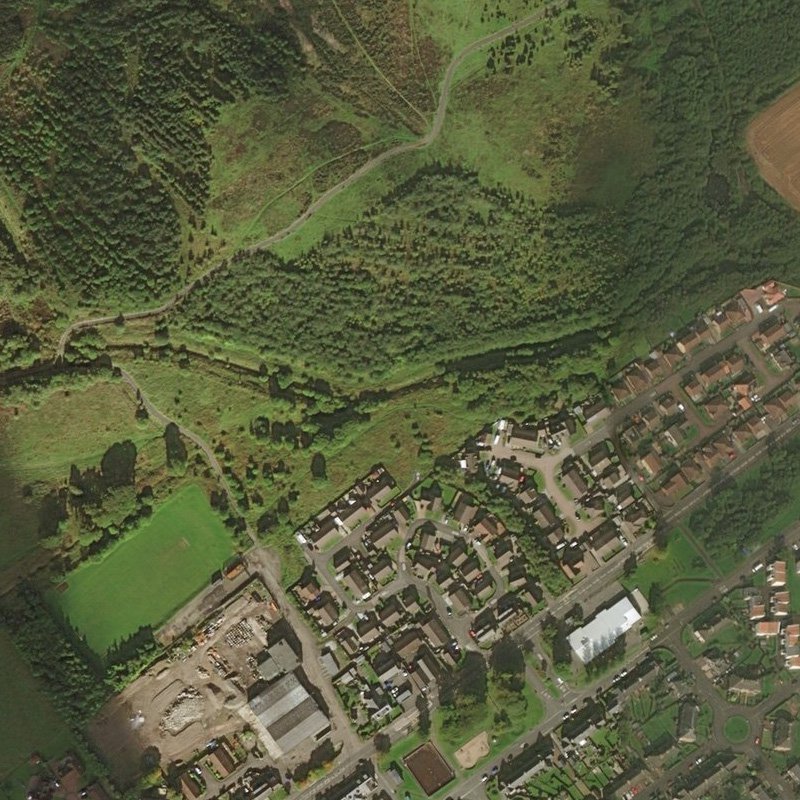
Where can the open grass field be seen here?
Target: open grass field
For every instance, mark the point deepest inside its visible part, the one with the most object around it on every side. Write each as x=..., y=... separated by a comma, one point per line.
x=150, y=574
x=221, y=408
x=38, y=445
x=773, y=139
x=679, y=569
x=30, y=723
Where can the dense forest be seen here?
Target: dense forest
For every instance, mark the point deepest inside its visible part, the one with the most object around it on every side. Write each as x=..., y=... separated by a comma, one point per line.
x=739, y=515
x=442, y=267
x=102, y=133
x=445, y=266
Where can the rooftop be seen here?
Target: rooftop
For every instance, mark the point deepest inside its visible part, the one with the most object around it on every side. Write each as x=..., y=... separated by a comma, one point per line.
x=603, y=630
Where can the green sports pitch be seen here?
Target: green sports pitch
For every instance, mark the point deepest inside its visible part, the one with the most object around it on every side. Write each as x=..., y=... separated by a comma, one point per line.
x=151, y=573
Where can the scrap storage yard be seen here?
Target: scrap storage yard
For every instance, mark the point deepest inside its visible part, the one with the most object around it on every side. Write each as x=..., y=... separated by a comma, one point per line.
x=773, y=139
x=198, y=694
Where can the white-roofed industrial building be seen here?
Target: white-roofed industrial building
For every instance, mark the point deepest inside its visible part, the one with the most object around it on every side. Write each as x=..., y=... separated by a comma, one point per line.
x=603, y=630
x=289, y=716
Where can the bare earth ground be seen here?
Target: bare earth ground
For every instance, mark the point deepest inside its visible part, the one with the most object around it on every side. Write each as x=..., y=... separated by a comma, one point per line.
x=178, y=707
x=773, y=139
x=474, y=750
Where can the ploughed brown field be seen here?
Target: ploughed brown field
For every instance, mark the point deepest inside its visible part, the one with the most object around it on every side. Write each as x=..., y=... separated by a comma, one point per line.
x=773, y=139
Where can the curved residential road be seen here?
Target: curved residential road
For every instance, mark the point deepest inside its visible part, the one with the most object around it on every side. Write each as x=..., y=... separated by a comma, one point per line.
x=368, y=166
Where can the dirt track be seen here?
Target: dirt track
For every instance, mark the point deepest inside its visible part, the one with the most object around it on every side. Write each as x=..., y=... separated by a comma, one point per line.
x=773, y=139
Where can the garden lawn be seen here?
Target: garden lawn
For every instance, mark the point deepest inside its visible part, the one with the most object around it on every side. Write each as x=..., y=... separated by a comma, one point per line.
x=31, y=722
x=679, y=569
x=736, y=729
x=150, y=574
x=524, y=713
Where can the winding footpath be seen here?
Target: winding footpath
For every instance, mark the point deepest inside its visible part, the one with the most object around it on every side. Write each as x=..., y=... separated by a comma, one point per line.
x=368, y=166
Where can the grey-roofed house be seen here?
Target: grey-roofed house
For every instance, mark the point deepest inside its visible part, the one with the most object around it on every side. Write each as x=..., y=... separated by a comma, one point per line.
x=435, y=631
x=574, y=481
x=381, y=533
x=288, y=716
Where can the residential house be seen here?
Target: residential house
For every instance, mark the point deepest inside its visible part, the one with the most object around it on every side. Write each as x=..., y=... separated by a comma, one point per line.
x=509, y=473
x=528, y=496
x=382, y=568
x=671, y=356
x=464, y=509
x=767, y=629
x=471, y=569
x=781, y=604
x=368, y=628
x=598, y=458
x=612, y=477
x=460, y=599
x=408, y=644
x=730, y=316
x=435, y=632
x=697, y=335
x=676, y=434
x=424, y=563
x=715, y=453
x=637, y=378
x=650, y=464
x=716, y=407
x=503, y=552
x=488, y=528
x=324, y=531
x=483, y=587
x=545, y=515
x=752, y=429
x=517, y=574
x=758, y=609
x=428, y=541
x=574, y=481
x=221, y=761
x=769, y=334
x=693, y=471
x=674, y=487
x=791, y=644
x=357, y=582
x=776, y=574
x=342, y=559
x=348, y=641
x=326, y=612
x=390, y=613
x=409, y=597
x=694, y=389
x=380, y=487
x=457, y=554
x=713, y=373
x=348, y=512
x=620, y=391
x=524, y=438
x=667, y=405
x=307, y=589
x=190, y=786
x=381, y=532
